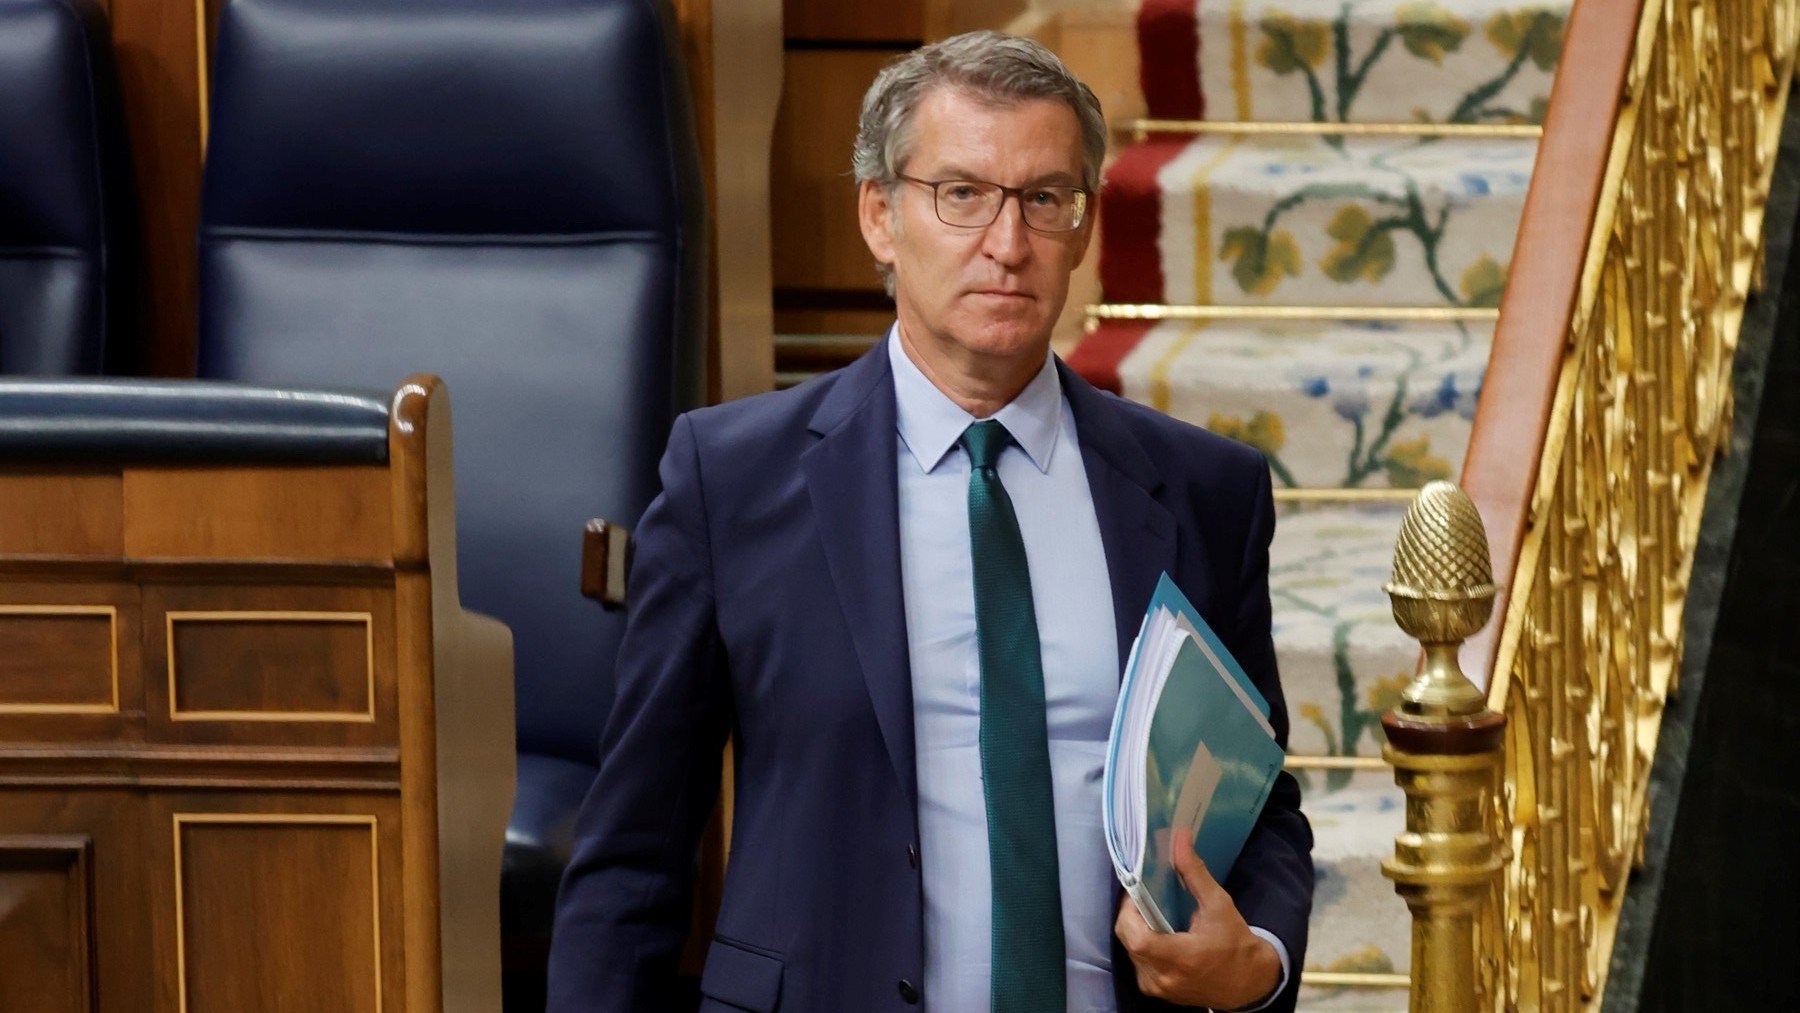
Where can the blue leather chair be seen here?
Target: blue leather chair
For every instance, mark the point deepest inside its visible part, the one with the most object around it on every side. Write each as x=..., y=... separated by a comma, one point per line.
x=183, y=422
x=64, y=282
x=505, y=193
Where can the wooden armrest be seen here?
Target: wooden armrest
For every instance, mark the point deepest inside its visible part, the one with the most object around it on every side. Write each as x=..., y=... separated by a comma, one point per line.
x=605, y=555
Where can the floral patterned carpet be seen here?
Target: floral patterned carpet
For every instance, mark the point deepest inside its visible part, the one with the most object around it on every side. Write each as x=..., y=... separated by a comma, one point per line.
x=1332, y=404
x=1307, y=219
x=1407, y=231
x=1373, y=61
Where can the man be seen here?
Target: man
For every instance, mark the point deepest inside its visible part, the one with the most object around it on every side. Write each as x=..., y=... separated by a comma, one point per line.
x=906, y=590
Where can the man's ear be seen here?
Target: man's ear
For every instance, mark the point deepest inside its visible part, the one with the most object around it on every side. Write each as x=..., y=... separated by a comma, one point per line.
x=875, y=213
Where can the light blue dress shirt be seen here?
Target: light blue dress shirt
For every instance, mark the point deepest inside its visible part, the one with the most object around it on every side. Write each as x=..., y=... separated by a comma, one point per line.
x=1071, y=592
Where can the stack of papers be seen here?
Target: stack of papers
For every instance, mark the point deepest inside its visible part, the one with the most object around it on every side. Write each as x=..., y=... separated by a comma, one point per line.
x=1191, y=748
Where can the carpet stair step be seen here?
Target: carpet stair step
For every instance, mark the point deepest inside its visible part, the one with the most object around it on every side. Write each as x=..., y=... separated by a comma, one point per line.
x=1313, y=220
x=1359, y=924
x=1346, y=404
x=1358, y=61
x=1343, y=660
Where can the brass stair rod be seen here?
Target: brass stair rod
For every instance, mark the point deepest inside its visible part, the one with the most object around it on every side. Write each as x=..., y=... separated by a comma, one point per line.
x=1445, y=745
x=1141, y=127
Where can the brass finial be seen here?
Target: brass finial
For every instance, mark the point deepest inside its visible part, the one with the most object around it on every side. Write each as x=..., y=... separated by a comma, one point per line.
x=1443, y=591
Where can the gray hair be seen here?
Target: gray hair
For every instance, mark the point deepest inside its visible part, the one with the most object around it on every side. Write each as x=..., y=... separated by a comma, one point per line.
x=992, y=66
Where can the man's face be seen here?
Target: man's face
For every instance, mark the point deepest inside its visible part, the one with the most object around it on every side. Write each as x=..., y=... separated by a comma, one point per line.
x=979, y=293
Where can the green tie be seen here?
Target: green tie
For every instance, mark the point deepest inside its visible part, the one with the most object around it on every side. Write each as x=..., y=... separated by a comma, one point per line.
x=1015, y=747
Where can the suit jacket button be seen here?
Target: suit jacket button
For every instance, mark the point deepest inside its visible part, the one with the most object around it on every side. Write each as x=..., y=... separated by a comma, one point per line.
x=908, y=992
x=912, y=855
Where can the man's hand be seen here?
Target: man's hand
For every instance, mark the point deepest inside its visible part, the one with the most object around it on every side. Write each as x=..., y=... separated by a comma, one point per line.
x=1217, y=962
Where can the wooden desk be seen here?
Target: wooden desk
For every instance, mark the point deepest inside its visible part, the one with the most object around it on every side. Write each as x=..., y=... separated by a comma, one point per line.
x=253, y=753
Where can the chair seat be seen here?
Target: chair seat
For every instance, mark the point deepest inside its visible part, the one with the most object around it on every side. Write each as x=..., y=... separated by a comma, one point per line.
x=539, y=840
x=189, y=421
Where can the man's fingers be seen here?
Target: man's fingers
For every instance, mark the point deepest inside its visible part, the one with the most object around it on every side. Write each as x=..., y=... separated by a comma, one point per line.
x=1192, y=870
x=1130, y=925
x=1137, y=935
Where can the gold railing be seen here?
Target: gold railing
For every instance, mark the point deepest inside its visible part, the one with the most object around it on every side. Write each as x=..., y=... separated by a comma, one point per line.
x=1626, y=360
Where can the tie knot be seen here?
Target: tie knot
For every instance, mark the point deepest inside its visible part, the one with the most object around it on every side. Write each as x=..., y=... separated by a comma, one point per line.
x=984, y=440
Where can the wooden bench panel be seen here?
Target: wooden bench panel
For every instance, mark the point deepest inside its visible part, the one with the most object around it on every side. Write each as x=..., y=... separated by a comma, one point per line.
x=46, y=925
x=291, y=513
x=312, y=886
x=271, y=665
x=68, y=511
x=253, y=752
x=70, y=665
x=59, y=659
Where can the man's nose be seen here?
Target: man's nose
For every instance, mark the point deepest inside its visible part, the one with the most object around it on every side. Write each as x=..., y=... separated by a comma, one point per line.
x=1007, y=239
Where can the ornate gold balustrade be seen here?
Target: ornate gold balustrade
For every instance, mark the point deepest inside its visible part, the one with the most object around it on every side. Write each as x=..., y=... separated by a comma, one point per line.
x=1607, y=397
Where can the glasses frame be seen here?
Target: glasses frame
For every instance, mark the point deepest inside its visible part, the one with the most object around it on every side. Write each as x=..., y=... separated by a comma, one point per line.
x=1015, y=192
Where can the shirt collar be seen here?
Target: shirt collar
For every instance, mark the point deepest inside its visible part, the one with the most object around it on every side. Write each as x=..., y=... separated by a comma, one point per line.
x=930, y=423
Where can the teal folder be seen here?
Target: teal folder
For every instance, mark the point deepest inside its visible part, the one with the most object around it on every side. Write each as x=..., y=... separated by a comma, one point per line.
x=1191, y=747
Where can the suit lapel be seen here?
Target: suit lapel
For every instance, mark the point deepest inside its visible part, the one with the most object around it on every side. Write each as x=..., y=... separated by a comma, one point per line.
x=1136, y=531
x=851, y=479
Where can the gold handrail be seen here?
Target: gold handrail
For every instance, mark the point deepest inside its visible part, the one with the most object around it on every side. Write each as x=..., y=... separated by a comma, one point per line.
x=1608, y=395
x=1239, y=311
x=1141, y=128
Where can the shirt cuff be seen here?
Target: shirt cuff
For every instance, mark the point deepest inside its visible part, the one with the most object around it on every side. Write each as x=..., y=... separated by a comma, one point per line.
x=1280, y=951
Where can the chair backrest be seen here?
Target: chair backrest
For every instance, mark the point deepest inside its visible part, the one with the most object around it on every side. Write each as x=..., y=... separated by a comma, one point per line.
x=63, y=179
x=501, y=192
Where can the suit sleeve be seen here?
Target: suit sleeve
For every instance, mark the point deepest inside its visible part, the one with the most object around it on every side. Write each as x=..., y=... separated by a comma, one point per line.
x=623, y=909
x=1272, y=881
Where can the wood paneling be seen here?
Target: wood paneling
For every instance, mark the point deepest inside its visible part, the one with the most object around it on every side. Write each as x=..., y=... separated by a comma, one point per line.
x=293, y=513
x=1100, y=47
x=836, y=21
x=107, y=825
x=305, y=886
x=55, y=684
x=58, y=658
x=944, y=18
x=295, y=665
x=46, y=925
x=61, y=512
x=733, y=56
x=858, y=323
x=156, y=49
x=288, y=666
x=313, y=835
x=817, y=242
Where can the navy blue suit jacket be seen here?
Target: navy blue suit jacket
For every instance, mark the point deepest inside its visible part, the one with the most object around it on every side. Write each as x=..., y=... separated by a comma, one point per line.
x=765, y=603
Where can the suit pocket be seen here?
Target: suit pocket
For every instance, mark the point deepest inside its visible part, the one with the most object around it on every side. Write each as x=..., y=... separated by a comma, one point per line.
x=740, y=977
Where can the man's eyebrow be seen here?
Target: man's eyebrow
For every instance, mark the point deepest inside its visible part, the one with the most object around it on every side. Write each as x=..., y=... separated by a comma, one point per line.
x=954, y=172
x=1059, y=177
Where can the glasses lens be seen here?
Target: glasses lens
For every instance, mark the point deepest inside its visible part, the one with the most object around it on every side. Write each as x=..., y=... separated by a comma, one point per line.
x=968, y=202
x=974, y=204
x=1053, y=208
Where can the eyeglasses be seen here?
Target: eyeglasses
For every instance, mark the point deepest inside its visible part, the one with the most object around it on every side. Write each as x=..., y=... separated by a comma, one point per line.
x=975, y=204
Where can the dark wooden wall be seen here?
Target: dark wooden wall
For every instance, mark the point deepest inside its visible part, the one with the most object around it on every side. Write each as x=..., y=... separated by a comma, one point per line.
x=157, y=50
x=825, y=281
